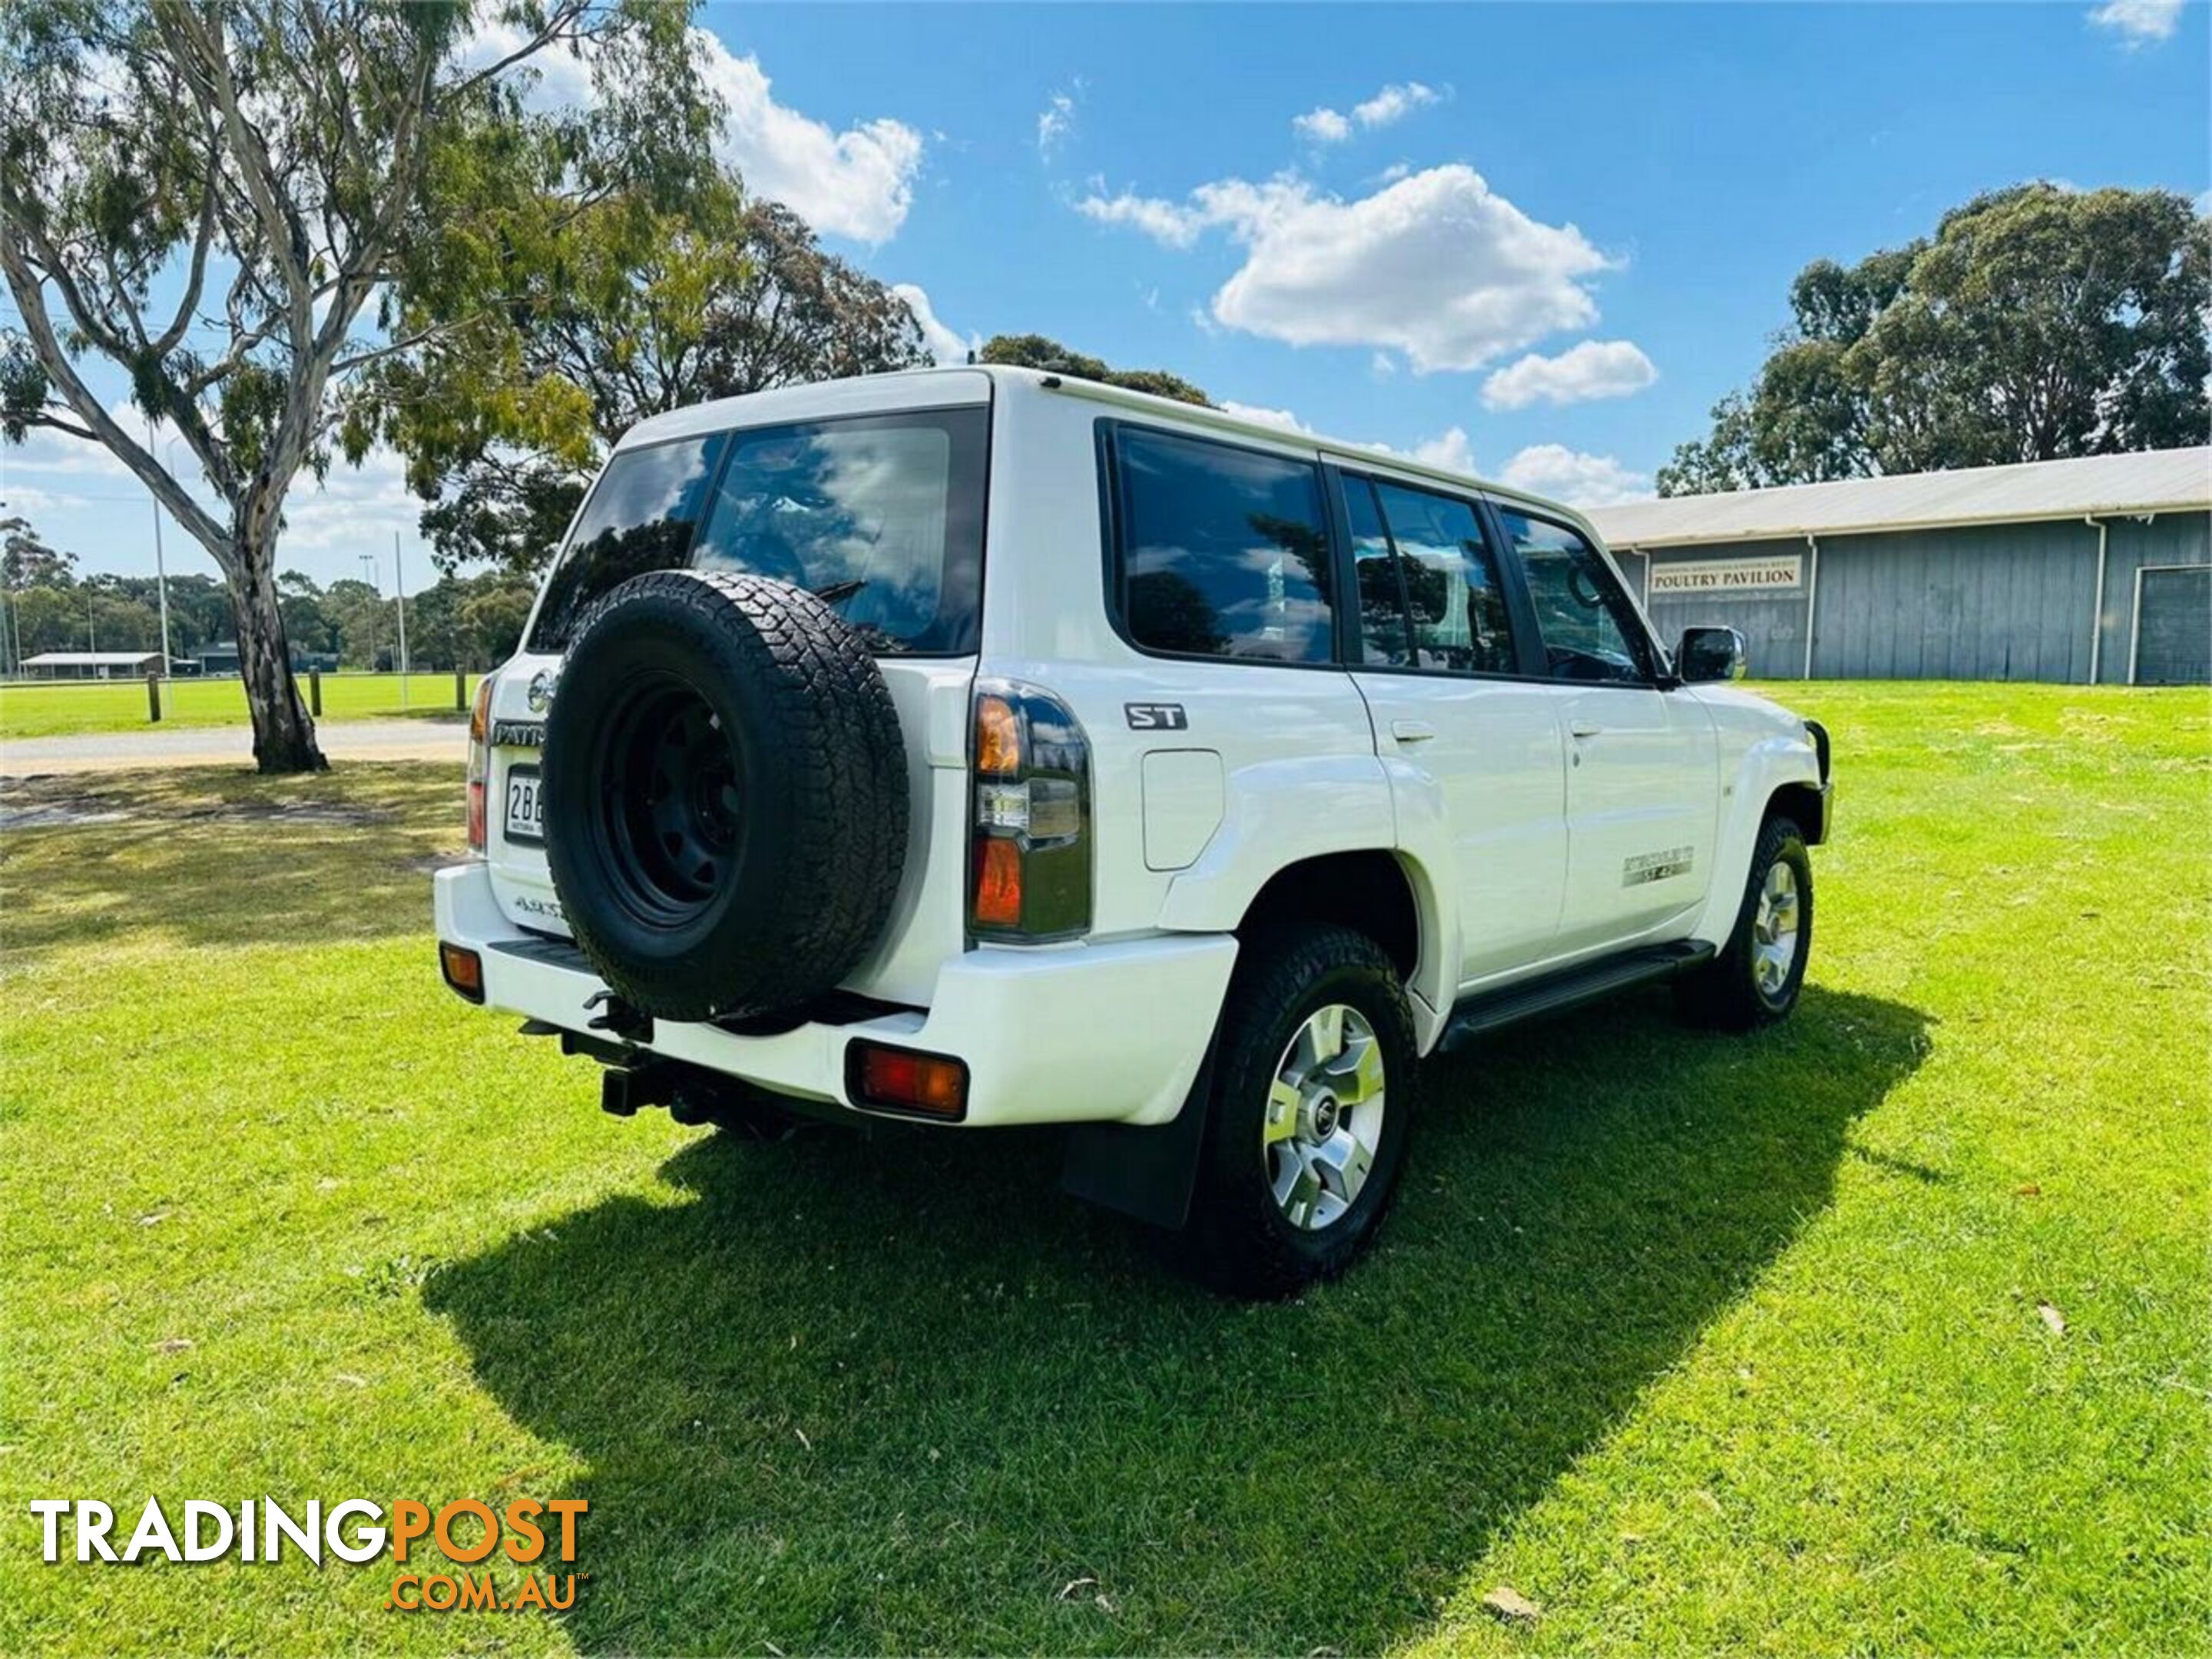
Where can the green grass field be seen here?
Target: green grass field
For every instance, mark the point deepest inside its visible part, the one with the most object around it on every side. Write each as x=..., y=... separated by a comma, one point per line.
x=65, y=708
x=1881, y=1332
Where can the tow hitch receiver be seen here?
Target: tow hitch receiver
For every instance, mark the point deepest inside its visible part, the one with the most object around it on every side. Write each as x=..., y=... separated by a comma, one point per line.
x=623, y=1089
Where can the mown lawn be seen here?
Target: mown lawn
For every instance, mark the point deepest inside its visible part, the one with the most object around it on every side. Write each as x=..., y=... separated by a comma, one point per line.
x=1882, y=1332
x=65, y=708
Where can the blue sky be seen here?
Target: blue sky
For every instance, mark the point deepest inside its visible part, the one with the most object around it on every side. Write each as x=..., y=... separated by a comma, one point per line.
x=1447, y=229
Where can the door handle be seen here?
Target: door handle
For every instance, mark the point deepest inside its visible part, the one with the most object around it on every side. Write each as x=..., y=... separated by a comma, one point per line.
x=1585, y=729
x=1412, y=731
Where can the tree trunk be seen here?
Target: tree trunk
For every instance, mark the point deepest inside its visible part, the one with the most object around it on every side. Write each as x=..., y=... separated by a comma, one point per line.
x=283, y=731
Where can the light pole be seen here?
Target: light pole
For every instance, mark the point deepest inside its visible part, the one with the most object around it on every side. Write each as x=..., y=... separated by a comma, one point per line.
x=9, y=611
x=161, y=571
x=399, y=588
x=368, y=565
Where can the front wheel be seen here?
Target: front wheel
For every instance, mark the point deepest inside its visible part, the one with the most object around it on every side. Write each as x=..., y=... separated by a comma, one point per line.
x=1756, y=978
x=1314, y=1091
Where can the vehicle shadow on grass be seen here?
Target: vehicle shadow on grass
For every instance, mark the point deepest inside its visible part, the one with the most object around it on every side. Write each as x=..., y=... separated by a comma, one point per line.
x=904, y=1396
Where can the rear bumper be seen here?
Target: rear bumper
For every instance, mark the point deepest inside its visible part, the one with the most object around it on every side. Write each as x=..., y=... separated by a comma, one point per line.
x=1072, y=1034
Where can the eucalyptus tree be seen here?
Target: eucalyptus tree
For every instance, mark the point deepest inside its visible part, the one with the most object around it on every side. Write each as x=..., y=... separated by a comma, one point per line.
x=649, y=309
x=243, y=207
x=2038, y=322
x=1038, y=351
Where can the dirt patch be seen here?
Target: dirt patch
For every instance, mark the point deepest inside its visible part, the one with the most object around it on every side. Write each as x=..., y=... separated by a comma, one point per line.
x=57, y=801
x=54, y=815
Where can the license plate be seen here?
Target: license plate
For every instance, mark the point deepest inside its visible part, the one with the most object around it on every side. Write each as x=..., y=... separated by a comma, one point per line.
x=525, y=807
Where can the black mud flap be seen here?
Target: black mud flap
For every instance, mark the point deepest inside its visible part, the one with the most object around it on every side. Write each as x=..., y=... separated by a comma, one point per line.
x=1147, y=1172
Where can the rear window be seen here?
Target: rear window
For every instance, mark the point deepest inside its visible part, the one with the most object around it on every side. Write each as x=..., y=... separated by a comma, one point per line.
x=1220, y=551
x=881, y=515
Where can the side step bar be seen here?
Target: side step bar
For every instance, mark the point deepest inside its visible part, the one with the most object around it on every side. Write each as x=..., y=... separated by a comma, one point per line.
x=1490, y=1010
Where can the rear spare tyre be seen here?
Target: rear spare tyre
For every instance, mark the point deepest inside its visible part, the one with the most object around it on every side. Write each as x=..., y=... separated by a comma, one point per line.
x=725, y=795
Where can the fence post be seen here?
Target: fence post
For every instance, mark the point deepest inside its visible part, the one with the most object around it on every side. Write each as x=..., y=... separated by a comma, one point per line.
x=315, y=692
x=461, y=689
x=153, y=696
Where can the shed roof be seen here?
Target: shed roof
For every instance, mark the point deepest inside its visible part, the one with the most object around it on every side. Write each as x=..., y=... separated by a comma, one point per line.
x=2149, y=481
x=89, y=659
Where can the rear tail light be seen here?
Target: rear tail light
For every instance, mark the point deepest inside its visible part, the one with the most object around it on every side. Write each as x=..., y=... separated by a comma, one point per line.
x=906, y=1080
x=479, y=762
x=1030, y=875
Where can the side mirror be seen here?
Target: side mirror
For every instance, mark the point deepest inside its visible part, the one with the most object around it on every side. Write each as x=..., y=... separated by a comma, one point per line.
x=1711, y=653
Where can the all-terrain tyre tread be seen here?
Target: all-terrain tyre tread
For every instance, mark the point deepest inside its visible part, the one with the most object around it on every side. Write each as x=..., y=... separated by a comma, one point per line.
x=829, y=716
x=1723, y=995
x=1236, y=1241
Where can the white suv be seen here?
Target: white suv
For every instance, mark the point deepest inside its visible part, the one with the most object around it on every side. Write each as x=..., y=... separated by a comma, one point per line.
x=980, y=747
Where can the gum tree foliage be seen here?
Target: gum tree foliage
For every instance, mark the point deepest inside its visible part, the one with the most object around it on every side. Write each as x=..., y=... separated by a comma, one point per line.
x=2038, y=323
x=1036, y=351
x=247, y=205
x=25, y=560
x=47, y=606
x=647, y=311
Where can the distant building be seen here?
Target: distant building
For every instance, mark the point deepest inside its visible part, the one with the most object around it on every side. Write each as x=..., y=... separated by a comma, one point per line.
x=92, y=665
x=223, y=659
x=2097, y=570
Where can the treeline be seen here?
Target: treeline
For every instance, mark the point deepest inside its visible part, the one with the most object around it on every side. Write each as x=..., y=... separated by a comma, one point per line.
x=462, y=622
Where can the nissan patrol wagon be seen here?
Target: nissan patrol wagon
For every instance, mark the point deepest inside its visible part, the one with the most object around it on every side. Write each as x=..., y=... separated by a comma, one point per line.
x=976, y=747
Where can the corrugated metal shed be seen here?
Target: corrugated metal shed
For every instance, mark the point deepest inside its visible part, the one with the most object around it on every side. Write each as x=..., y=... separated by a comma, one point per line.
x=2153, y=481
x=90, y=658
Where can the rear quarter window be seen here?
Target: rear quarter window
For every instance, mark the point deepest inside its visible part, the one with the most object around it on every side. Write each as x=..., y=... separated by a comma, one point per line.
x=640, y=517
x=1219, y=551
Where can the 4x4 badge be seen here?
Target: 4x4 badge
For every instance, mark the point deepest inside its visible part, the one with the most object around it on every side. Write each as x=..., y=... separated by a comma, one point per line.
x=1155, y=717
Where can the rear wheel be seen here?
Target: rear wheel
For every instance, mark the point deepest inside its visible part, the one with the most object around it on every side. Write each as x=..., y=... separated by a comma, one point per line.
x=1314, y=1089
x=1756, y=978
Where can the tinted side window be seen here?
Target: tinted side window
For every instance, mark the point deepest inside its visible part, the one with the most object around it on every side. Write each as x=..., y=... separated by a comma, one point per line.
x=1452, y=587
x=1588, y=626
x=1384, y=637
x=639, y=518
x=1222, y=552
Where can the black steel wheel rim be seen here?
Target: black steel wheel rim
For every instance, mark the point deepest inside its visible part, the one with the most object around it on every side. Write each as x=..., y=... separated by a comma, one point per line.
x=669, y=801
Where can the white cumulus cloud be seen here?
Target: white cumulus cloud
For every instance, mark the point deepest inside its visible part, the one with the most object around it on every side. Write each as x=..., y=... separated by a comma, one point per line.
x=948, y=345
x=355, y=509
x=551, y=78
x=1435, y=264
x=1392, y=103
x=1281, y=417
x=2139, y=22
x=1448, y=449
x=1324, y=125
x=858, y=183
x=1594, y=368
x=1573, y=477
x=1167, y=223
